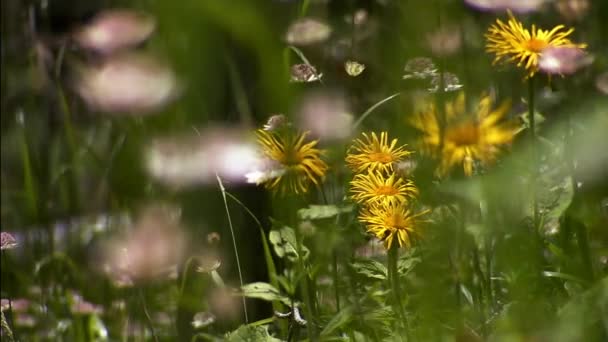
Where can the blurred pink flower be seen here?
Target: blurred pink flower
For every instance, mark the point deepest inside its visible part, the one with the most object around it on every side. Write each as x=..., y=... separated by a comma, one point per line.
x=306, y=31
x=82, y=307
x=572, y=10
x=7, y=241
x=445, y=41
x=519, y=6
x=150, y=250
x=131, y=83
x=325, y=115
x=115, y=29
x=563, y=60
x=197, y=160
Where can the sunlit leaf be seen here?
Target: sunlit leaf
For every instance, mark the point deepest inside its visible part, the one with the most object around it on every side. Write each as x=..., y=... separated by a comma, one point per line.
x=315, y=212
x=265, y=292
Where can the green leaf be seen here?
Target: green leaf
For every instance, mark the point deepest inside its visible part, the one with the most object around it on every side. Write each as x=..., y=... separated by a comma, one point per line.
x=265, y=292
x=406, y=263
x=371, y=269
x=338, y=321
x=315, y=212
x=248, y=333
x=283, y=241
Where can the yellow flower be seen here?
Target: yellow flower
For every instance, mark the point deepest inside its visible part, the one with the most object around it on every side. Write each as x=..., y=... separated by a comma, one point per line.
x=513, y=42
x=466, y=138
x=375, y=188
x=373, y=153
x=300, y=161
x=389, y=220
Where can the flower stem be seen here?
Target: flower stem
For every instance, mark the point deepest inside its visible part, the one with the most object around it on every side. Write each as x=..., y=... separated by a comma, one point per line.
x=236, y=251
x=393, y=278
x=533, y=139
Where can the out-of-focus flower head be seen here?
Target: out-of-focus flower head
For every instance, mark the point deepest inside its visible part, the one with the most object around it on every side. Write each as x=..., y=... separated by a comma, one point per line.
x=519, y=6
x=325, y=115
x=299, y=159
x=151, y=250
x=304, y=73
x=446, y=41
x=563, y=60
x=306, y=31
x=275, y=122
x=375, y=153
x=419, y=68
x=467, y=138
x=115, y=29
x=80, y=306
x=127, y=83
x=354, y=68
x=392, y=221
x=572, y=10
x=193, y=160
x=8, y=241
x=601, y=83
x=511, y=42
x=450, y=82
x=202, y=319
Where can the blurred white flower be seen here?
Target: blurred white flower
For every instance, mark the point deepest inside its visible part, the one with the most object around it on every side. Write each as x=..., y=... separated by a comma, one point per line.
x=275, y=122
x=8, y=241
x=354, y=68
x=197, y=160
x=115, y=29
x=419, y=68
x=306, y=31
x=130, y=83
x=304, y=73
x=563, y=60
x=450, y=82
x=325, y=115
x=519, y=6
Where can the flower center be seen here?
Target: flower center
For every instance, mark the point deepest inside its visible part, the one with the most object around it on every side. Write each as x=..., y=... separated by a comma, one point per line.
x=536, y=45
x=395, y=221
x=386, y=190
x=381, y=157
x=465, y=134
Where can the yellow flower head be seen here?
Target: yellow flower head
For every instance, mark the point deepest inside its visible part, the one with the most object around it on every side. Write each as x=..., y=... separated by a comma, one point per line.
x=373, y=153
x=300, y=161
x=466, y=138
x=375, y=188
x=514, y=43
x=389, y=220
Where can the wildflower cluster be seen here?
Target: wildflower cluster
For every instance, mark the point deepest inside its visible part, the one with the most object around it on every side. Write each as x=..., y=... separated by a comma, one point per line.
x=384, y=195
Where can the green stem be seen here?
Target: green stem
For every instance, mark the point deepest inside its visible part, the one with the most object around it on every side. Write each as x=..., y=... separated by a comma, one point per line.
x=534, y=148
x=236, y=251
x=7, y=328
x=336, y=280
x=144, y=307
x=372, y=108
x=28, y=179
x=393, y=278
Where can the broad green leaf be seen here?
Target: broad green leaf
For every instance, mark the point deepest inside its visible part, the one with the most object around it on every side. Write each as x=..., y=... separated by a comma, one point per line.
x=315, y=212
x=370, y=268
x=338, y=321
x=248, y=333
x=265, y=292
x=283, y=241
